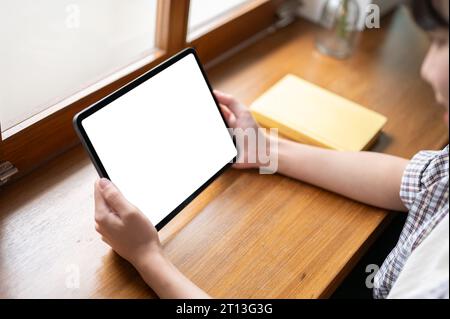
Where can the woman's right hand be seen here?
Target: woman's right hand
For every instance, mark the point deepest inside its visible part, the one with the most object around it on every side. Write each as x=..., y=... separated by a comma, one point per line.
x=239, y=118
x=124, y=227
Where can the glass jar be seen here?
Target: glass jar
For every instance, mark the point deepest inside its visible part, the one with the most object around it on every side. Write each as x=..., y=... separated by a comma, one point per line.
x=340, y=28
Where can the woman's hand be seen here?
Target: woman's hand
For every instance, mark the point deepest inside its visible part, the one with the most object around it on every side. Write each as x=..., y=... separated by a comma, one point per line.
x=123, y=226
x=239, y=118
x=132, y=236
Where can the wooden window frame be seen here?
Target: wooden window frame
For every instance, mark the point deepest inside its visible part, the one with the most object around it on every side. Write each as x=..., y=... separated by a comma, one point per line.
x=235, y=28
x=52, y=134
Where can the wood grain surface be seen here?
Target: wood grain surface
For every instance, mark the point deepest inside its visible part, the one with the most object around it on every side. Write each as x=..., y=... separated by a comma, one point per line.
x=247, y=235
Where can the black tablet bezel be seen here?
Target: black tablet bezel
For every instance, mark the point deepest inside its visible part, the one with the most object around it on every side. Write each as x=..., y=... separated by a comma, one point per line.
x=77, y=122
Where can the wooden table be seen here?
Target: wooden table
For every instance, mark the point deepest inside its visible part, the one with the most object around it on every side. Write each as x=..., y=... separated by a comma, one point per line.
x=247, y=236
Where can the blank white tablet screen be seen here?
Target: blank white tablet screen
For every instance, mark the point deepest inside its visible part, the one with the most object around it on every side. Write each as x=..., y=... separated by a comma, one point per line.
x=163, y=140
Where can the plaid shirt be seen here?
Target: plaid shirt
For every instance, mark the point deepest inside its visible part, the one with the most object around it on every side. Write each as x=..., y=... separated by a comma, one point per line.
x=424, y=191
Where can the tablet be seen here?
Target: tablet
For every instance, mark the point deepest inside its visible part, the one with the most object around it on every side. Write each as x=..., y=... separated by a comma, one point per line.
x=161, y=139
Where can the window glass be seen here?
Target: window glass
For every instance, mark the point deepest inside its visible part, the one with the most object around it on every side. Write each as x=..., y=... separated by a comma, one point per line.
x=52, y=49
x=204, y=12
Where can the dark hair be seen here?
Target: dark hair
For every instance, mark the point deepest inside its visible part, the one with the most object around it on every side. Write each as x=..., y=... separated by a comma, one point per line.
x=427, y=16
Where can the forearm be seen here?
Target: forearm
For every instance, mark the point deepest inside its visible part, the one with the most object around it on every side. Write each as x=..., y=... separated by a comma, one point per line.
x=370, y=178
x=167, y=281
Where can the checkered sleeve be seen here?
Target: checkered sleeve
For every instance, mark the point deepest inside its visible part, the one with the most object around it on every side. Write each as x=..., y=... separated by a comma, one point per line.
x=424, y=191
x=423, y=171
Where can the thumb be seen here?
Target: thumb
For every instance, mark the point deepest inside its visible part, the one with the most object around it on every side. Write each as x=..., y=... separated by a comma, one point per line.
x=230, y=102
x=114, y=198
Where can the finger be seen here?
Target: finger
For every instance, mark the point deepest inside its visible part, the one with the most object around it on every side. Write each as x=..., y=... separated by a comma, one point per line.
x=223, y=98
x=114, y=198
x=101, y=208
x=229, y=116
x=99, y=229
x=106, y=241
x=225, y=111
x=230, y=102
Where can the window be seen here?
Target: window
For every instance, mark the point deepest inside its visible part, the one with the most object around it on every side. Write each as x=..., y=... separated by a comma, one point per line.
x=59, y=48
x=204, y=12
x=60, y=56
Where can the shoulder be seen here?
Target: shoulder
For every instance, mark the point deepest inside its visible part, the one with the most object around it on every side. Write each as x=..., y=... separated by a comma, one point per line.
x=428, y=171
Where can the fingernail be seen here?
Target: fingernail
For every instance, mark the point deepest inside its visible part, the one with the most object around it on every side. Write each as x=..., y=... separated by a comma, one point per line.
x=104, y=183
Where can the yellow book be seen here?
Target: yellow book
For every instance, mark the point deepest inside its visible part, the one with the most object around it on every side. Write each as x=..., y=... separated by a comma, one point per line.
x=309, y=114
